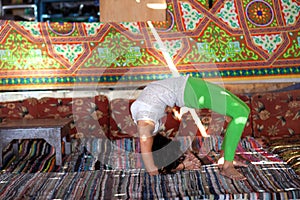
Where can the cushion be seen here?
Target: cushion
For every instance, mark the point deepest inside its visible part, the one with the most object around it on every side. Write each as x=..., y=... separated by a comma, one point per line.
x=214, y=123
x=123, y=126
x=26, y=109
x=121, y=122
x=276, y=114
x=90, y=114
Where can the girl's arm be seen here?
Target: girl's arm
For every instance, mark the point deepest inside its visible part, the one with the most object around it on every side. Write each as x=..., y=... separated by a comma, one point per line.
x=145, y=131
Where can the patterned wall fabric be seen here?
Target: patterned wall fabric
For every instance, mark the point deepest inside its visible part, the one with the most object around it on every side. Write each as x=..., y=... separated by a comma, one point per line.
x=231, y=41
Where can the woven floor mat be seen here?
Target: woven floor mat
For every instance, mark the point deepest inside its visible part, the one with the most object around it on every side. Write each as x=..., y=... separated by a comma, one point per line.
x=83, y=176
x=264, y=181
x=39, y=156
x=288, y=149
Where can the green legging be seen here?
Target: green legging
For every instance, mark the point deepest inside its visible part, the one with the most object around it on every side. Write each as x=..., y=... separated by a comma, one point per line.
x=201, y=94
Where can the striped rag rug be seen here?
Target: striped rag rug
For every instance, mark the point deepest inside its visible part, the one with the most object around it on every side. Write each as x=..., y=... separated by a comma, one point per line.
x=119, y=175
x=39, y=156
x=264, y=181
x=288, y=149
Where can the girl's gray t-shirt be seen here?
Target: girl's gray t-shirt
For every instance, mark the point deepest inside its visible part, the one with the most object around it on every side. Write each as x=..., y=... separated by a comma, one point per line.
x=152, y=102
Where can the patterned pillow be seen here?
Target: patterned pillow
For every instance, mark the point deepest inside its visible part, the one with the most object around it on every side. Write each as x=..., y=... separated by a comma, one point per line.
x=171, y=122
x=26, y=109
x=121, y=122
x=123, y=126
x=214, y=123
x=90, y=114
x=51, y=107
x=276, y=114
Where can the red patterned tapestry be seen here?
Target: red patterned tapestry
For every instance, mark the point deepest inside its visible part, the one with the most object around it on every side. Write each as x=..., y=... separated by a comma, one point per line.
x=231, y=41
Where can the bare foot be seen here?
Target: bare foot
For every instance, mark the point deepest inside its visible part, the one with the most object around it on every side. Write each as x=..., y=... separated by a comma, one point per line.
x=239, y=164
x=232, y=173
x=235, y=163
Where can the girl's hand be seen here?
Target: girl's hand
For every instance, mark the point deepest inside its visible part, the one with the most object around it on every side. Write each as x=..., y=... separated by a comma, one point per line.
x=152, y=171
x=191, y=162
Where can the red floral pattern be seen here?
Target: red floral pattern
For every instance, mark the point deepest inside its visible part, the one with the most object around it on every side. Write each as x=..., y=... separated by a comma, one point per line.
x=123, y=126
x=26, y=109
x=171, y=123
x=273, y=114
x=276, y=114
x=121, y=122
x=214, y=123
x=90, y=114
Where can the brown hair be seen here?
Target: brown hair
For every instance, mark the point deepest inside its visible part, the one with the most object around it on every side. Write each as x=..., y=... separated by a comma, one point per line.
x=164, y=159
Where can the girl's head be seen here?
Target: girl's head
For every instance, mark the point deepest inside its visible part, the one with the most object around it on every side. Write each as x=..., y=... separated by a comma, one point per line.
x=167, y=154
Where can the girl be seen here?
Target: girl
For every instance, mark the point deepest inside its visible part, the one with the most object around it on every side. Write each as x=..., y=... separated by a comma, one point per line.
x=185, y=91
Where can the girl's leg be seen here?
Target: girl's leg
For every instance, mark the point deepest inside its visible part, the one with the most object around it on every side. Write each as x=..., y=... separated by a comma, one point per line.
x=202, y=94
